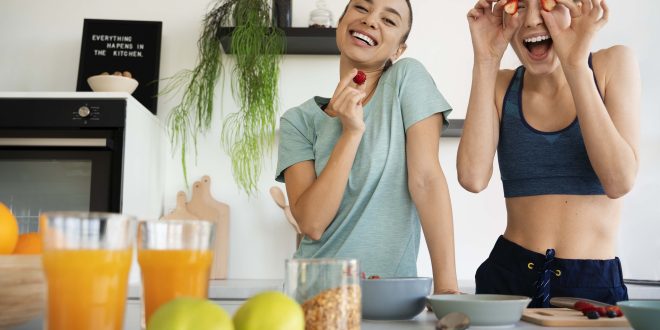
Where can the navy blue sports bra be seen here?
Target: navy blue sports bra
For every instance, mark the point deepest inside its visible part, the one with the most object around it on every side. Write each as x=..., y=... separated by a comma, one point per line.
x=541, y=163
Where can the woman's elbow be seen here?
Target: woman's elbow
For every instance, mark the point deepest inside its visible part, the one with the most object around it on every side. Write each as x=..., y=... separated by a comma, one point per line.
x=472, y=183
x=313, y=235
x=311, y=232
x=618, y=189
x=473, y=186
x=473, y=178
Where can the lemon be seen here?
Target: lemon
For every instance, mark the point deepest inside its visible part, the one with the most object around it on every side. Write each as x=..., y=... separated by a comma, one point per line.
x=190, y=314
x=270, y=310
x=8, y=230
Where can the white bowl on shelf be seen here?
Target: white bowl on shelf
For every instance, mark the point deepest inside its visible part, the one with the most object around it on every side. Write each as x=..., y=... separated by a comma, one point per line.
x=112, y=83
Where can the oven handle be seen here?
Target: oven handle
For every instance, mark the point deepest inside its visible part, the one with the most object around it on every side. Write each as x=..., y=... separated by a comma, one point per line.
x=53, y=142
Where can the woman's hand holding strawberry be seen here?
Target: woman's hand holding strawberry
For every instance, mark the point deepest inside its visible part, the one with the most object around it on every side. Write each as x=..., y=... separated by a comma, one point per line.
x=490, y=36
x=346, y=104
x=573, y=43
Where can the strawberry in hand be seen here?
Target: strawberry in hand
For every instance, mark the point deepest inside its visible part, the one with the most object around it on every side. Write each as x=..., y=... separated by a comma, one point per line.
x=572, y=41
x=548, y=5
x=511, y=7
x=489, y=31
x=360, y=77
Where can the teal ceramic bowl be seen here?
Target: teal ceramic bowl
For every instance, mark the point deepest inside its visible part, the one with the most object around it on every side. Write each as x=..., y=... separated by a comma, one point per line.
x=482, y=309
x=642, y=314
x=399, y=298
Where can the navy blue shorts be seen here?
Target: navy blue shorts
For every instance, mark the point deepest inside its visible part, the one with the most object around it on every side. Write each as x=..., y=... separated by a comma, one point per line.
x=512, y=269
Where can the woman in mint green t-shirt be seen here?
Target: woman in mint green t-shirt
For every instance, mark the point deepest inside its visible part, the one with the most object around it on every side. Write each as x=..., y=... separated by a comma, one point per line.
x=361, y=168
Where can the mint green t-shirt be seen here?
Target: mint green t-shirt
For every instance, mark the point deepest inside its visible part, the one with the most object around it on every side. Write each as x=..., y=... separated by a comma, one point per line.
x=377, y=222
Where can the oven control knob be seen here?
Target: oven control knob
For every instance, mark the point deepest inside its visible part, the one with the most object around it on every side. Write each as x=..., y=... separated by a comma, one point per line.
x=83, y=111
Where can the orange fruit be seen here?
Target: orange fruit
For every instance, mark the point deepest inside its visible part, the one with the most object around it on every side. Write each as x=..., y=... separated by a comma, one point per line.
x=28, y=243
x=8, y=230
x=42, y=222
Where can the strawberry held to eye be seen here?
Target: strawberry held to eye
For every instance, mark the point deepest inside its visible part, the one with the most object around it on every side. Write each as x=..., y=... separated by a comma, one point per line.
x=360, y=78
x=511, y=7
x=548, y=5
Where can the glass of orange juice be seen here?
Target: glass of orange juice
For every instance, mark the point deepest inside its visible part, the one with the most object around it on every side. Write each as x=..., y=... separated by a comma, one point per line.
x=175, y=259
x=86, y=260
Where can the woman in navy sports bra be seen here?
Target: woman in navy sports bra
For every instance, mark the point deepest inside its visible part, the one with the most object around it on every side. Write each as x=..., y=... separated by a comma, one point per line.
x=565, y=126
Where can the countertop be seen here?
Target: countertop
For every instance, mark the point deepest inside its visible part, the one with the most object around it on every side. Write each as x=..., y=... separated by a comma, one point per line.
x=234, y=289
x=241, y=289
x=424, y=321
x=231, y=294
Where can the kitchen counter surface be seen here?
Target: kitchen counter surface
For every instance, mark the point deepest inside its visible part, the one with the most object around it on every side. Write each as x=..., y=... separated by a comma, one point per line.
x=230, y=294
x=234, y=289
x=424, y=321
x=241, y=289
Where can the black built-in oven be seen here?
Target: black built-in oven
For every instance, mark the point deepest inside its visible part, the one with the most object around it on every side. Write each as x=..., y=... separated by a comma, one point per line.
x=60, y=154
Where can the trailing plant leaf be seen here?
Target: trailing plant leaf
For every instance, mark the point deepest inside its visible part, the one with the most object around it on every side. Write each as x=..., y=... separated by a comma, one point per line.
x=249, y=133
x=194, y=113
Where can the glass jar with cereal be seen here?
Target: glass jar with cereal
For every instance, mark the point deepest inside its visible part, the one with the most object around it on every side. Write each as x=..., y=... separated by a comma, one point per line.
x=328, y=290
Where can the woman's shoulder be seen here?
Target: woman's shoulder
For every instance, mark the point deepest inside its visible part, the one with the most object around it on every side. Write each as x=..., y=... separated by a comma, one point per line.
x=406, y=65
x=613, y=57
x=613, y=64
x=407, y=72
x=304, y=116
x=408, y=62
x=613, y=53
x=305, y=109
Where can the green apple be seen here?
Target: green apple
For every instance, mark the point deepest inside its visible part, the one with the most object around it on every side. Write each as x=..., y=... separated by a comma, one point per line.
x=270, y=310
x=190, y=314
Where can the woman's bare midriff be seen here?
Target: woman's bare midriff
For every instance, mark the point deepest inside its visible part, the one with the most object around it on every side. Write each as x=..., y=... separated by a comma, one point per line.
x=576, y=226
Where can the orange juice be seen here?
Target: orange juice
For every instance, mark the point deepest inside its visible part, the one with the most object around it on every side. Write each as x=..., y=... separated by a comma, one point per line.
x=86, y=288
x=167, y=274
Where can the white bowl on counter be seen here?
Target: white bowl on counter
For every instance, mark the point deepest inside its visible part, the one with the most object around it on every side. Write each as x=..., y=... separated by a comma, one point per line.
x=399, y=298
x=643, y=314
x=112, y=83
x=482, y=309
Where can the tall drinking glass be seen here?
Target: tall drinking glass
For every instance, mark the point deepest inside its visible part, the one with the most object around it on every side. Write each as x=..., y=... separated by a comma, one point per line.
x=328, y=290
x=86, y=259
x=175, y=258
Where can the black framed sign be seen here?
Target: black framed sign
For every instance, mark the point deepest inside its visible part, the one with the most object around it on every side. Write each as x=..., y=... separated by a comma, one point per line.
x=119, y=45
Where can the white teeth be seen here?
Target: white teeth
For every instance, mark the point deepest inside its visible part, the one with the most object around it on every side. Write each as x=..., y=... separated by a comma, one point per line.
x=537, y=39
x=364, y=38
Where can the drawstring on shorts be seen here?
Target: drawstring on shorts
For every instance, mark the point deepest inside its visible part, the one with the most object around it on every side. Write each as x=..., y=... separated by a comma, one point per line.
x=542, y=297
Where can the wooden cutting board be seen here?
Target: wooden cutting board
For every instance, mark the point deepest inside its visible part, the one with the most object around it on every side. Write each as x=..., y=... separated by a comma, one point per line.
x=180, y=212
x=565, y=317
x=206, y=207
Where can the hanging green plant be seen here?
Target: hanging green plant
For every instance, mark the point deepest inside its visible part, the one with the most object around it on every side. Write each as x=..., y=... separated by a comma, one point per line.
x=247, y=135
